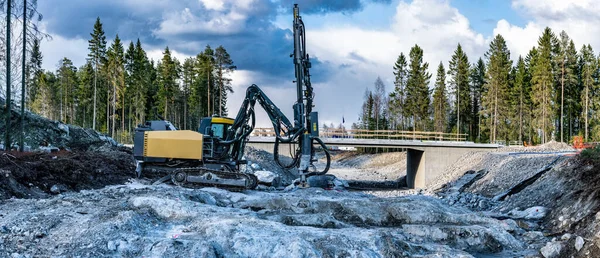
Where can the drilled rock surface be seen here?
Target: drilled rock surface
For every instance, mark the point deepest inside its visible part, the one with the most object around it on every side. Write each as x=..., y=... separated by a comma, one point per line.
x=137, y=219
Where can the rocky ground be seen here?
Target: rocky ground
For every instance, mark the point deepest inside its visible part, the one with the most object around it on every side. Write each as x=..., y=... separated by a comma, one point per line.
x=84, y=201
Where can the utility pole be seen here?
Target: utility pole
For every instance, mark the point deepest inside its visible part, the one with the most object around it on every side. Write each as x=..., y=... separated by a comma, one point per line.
x=21, y=142
x=7, y=133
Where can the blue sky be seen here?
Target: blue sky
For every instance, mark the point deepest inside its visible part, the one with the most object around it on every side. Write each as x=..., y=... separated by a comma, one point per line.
x=352, y=42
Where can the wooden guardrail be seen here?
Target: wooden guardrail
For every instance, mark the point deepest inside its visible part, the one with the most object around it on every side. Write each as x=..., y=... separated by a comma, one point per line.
x=374, y=134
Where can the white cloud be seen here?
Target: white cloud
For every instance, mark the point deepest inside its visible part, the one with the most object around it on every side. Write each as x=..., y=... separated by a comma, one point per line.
x=157, y=55
x=222, y=17
x=519, y=40
x=579, y=18
x=59, y=47
x=434, y=25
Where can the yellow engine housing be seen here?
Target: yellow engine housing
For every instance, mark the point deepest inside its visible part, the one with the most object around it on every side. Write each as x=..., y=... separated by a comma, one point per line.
x=180, y=144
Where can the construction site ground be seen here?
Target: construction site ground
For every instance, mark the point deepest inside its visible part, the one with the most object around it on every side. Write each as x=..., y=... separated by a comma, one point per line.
x=86, y=202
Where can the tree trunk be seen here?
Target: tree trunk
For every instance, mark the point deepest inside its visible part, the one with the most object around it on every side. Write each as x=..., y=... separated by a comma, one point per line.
x=95, y=83
x=562, y=96
x=114, y=109
x=495, y=112
x=586, y=111
x=123, y=113
x=521, y=115
x=108, y=111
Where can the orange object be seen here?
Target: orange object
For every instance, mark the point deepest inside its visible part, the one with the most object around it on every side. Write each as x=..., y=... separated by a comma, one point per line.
x=578, y=142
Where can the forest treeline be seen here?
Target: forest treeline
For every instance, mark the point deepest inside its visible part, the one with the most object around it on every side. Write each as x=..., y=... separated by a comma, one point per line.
x=551, y=93
x=119, y=87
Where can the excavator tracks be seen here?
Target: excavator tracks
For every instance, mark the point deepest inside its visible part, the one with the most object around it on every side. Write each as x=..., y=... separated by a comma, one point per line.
x=203, y=177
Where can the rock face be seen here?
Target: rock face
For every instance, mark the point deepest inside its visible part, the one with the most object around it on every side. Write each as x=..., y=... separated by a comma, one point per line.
x=160, y=221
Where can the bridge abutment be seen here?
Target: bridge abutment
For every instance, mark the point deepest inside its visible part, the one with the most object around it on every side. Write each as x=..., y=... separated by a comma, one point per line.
x=423, y=165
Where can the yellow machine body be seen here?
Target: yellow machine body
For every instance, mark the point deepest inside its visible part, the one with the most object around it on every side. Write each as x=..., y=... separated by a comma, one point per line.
x=180, y=144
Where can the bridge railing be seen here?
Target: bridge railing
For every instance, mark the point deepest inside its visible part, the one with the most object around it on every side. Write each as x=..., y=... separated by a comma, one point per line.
x=375, y=134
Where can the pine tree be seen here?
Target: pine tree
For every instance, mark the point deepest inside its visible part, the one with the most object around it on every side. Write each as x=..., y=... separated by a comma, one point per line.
x=417, y=89
x=588, y=69
x=97, y=47
x=459, y=80
x=477, y=82
x=542, y=82
x=398, y=96
x=495, y=95
x=224, y=66
x=440, y=101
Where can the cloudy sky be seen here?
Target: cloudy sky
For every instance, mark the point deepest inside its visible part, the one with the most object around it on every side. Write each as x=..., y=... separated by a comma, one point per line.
x=352, y=42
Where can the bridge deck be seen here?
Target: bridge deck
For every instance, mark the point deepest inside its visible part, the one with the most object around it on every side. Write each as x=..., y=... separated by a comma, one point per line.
x=385, y=143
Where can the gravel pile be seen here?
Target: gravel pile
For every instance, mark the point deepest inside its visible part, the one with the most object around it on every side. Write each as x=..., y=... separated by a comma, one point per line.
x=551, y=146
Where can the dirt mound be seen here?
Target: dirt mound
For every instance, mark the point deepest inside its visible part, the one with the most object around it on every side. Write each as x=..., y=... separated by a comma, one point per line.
x=36, y=175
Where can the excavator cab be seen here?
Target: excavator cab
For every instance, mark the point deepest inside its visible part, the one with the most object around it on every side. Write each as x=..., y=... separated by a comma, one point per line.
x=215, y=126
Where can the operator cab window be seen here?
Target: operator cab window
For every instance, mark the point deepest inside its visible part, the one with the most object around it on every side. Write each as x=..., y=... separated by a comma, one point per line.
x=218, y=130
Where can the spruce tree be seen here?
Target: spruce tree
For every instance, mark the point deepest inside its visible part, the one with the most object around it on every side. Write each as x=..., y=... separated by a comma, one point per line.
x=167, y=78
x=542, y=82
x=440, y=100
x=224, y=66
x=417, y=89
x=189, y=77
x=477, y=82
x=85, y=77
x=67, y=84
x=588, y=69
x=116, y=76
x=35, y=69
x=97, y=47
x=572, y=92
x=495, y=91
x=459, y=81
x=520, y=96
x=397, y=97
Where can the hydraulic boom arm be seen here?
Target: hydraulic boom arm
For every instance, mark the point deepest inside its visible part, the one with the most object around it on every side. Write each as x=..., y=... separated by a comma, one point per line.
x=304, y=130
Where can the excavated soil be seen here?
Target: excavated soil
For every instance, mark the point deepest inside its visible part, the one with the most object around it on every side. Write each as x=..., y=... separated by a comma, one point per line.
x=36, y=175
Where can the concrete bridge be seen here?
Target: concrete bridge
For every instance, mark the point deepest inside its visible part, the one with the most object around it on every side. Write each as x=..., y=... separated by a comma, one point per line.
x=425, y=159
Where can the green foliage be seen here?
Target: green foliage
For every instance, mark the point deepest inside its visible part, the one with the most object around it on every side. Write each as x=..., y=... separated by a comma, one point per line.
x=477, y=79
x=542, y=83
x=398, y=96
x=589, y=68
x=417, y=89
x=440, y=101
x=458, y=70
x=224, y=66
x=495, y=105
x=591, y=154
